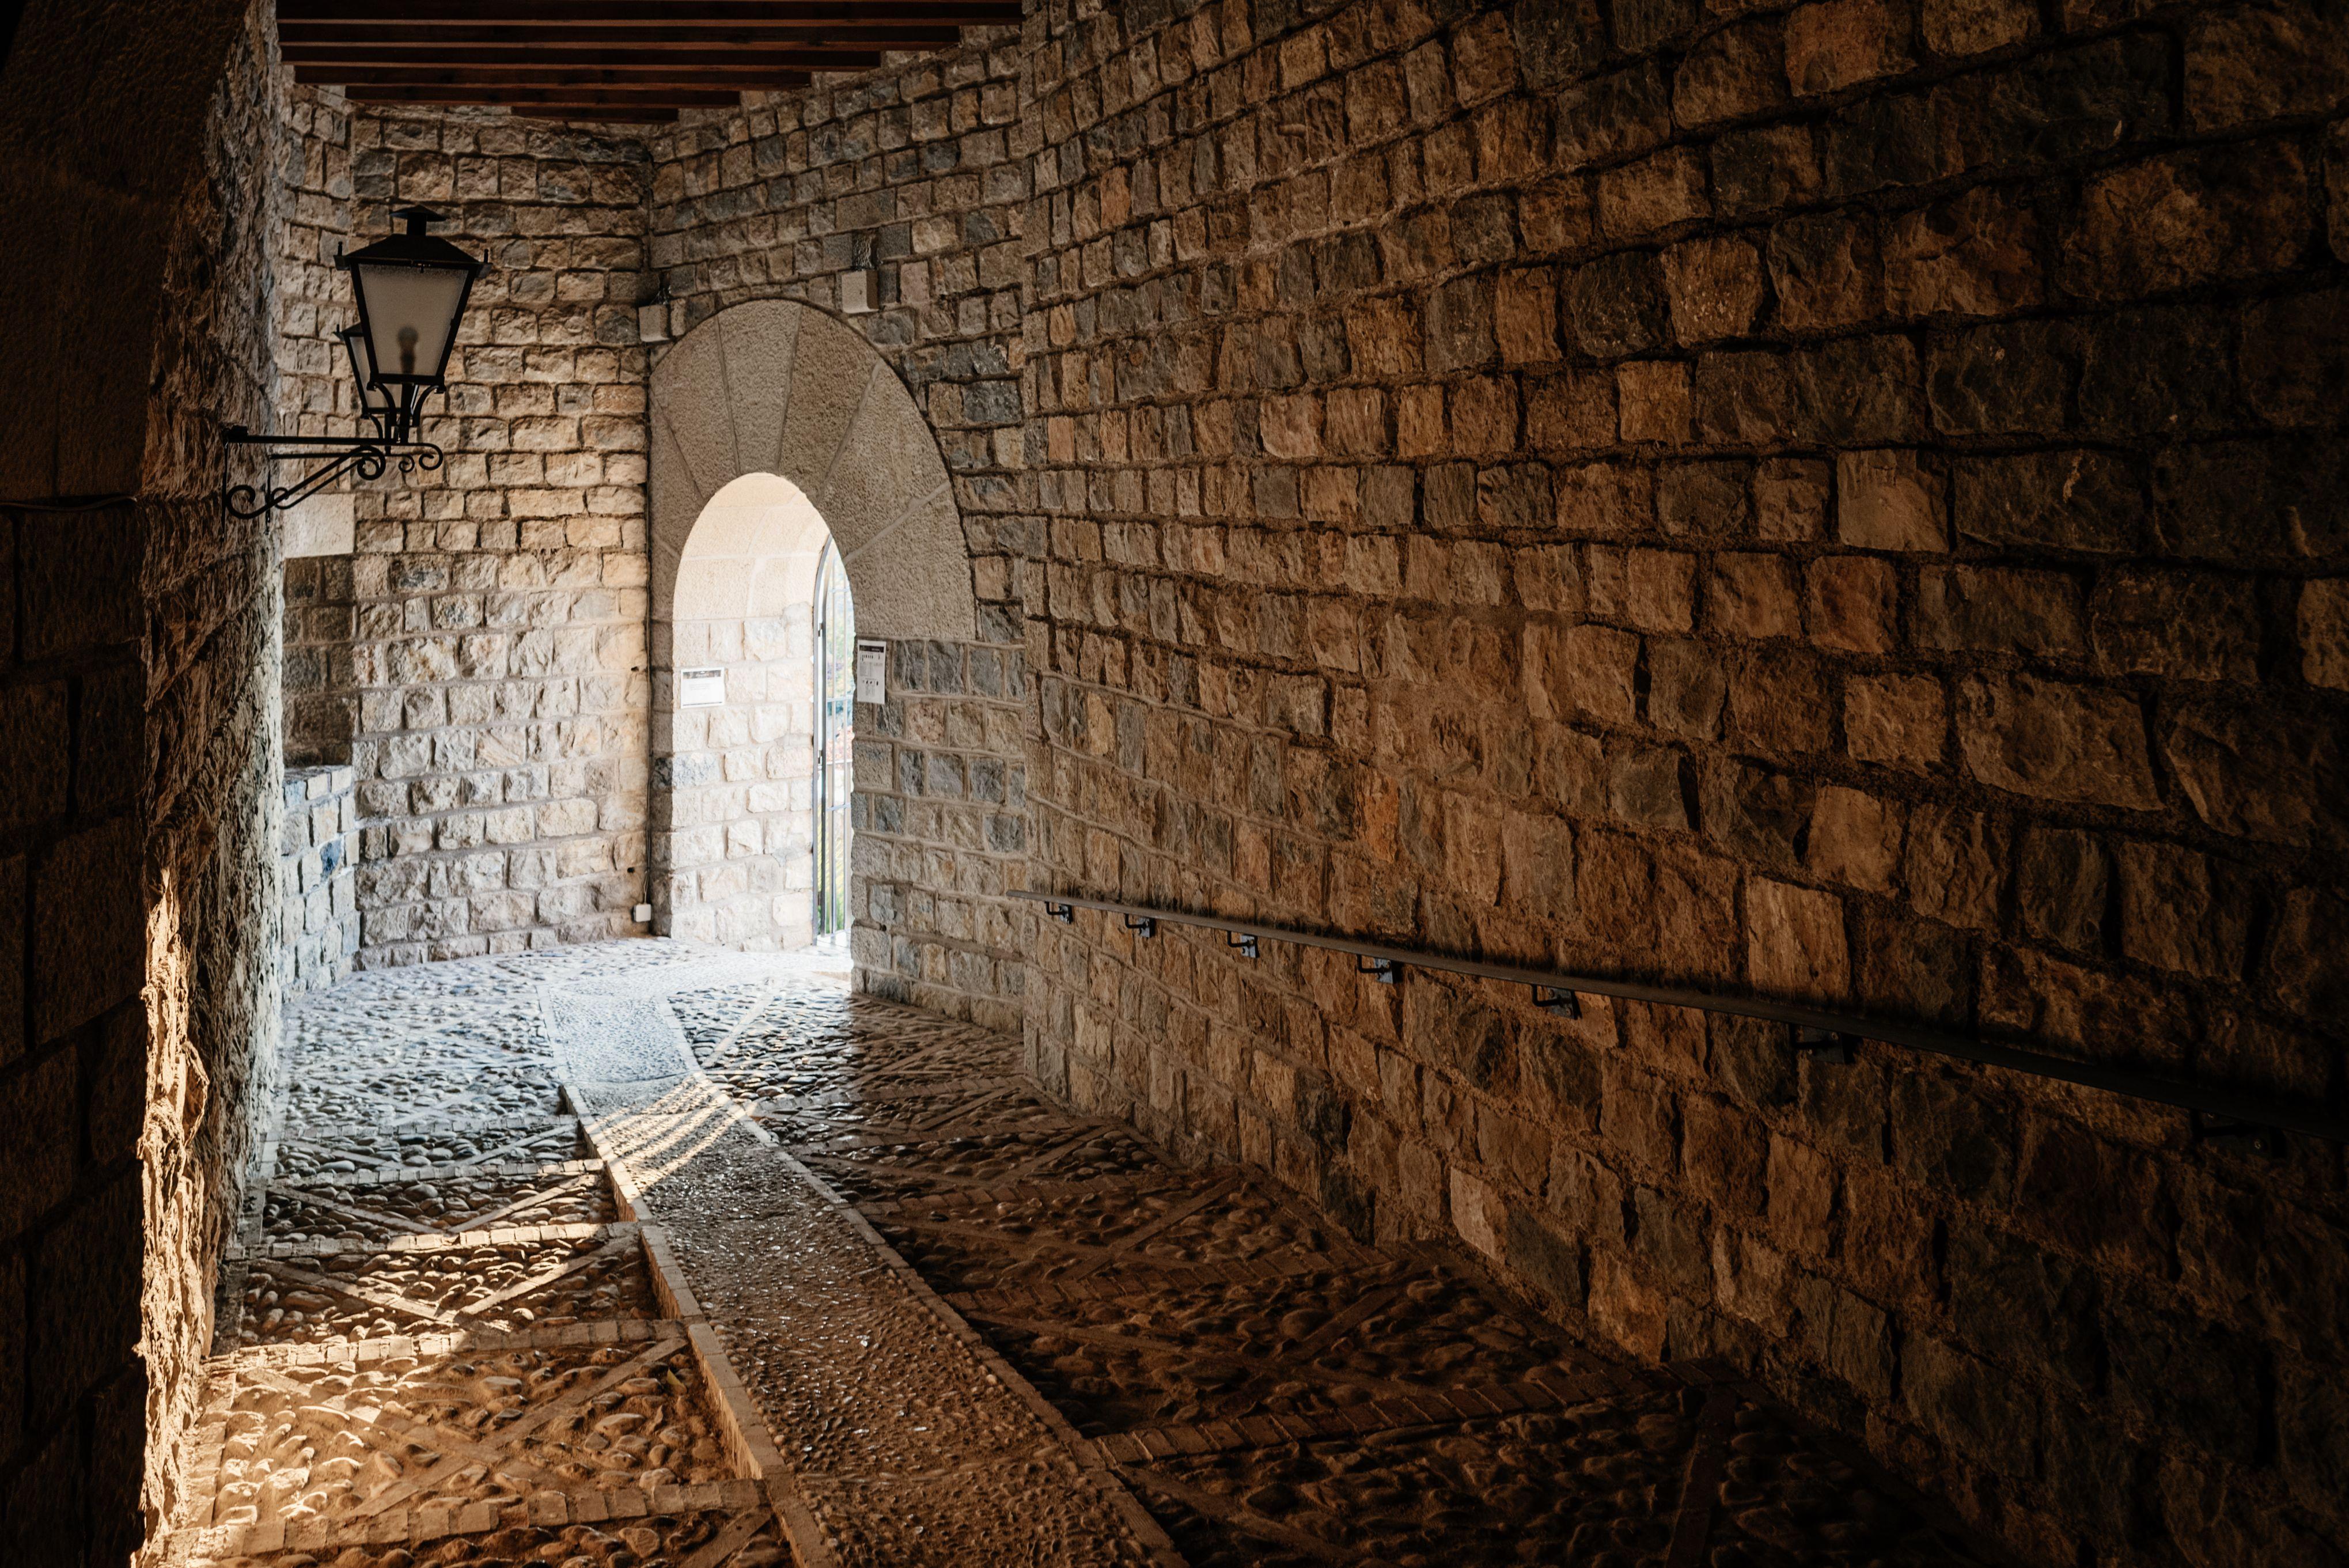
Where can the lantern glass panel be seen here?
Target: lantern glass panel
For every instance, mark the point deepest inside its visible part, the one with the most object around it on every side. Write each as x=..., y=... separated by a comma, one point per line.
x=410, y=314
x=373, y=399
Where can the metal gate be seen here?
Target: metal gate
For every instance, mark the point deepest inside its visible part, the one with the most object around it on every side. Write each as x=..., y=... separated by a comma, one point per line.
x=835, y=739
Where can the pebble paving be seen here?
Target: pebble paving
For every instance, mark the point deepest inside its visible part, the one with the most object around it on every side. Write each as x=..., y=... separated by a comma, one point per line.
x=649, y=1255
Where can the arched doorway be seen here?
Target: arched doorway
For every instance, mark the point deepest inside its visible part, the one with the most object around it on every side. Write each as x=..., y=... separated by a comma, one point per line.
x=766, y=406
x=745, y=771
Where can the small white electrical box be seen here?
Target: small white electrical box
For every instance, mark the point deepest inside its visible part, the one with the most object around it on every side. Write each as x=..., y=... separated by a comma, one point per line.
x=642, y=914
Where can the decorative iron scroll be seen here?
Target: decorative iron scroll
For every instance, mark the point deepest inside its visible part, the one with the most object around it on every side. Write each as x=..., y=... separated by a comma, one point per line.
x=366, y=458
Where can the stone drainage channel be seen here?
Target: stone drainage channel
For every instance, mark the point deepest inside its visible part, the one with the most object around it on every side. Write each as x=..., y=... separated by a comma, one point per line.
x=645, y=1255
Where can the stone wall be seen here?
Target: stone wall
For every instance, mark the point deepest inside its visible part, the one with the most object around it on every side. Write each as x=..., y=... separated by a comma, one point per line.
x=916, y=177
x=316, y=397
x=317, y=879
x=940, y=832
x=214, y=765
x=137, y=632
x=320, y=699
x=495, y=685
x=1838, y=501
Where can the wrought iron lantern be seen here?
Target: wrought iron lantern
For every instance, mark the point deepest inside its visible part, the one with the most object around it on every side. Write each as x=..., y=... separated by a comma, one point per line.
x=411, y=289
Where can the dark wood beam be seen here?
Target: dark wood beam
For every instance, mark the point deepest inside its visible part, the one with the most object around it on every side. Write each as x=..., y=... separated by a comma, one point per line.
x=641, y=97
x=660, y=13
x=794, y=36
x=750, y=79
x=607, y=114
x=612, y=58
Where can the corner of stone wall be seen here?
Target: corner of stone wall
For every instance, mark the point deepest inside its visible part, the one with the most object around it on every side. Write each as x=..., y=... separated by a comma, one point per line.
x=318, y=878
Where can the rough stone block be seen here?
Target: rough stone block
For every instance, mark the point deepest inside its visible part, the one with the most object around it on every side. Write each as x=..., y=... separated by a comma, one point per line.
x=2184, y=219
x=1834, y=43
x=2180, y=912
x=1890, y=500
x=2323, y=631
x=87, y=926
x=1732, y=73
x=1618, y=306
x=2258, y=774
x=84, y=1296
x=2248, y=64
x=1611, y=117
x=2062, y=889
x=1653, y=400
x=2025, y=1307
x=1827, y=270
x=1955, y=866
x=1754, y=596
x=1715, y=288
x=1796, y=945
x=2056, y=741
x=78, y=574
x=40, y=1109
x=2188, y=1374
x=1854, y=839
x=1850, y=603
x=1960, y=27
x=33, y=730
x=1975, y=255
x=2243, y=502
x=1998, y=609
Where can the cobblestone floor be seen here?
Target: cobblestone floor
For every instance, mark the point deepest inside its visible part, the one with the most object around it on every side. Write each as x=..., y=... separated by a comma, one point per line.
x=649, y=1256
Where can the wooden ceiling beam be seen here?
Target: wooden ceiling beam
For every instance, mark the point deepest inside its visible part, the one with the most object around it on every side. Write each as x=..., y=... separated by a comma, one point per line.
x=614, y=57
x=751, y=79
x=605, y=115
x=642, y=98
x=794, y=36
x=667, y=14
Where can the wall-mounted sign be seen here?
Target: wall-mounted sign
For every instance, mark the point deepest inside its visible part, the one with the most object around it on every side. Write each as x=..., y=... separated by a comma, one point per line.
x=871, y=670
x=700, y=688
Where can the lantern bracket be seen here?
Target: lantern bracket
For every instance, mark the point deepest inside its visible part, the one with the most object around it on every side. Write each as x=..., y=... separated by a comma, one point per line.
x=365, y=456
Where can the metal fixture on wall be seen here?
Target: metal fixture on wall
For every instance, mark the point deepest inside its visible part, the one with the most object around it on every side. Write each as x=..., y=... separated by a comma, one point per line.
x=2240, y=1120
x=411, y=289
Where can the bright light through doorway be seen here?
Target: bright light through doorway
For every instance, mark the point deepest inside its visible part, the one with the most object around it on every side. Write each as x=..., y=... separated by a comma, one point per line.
x=761, y=766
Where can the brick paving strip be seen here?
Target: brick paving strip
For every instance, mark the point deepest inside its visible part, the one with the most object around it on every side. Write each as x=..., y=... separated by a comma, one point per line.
x=702, y=1101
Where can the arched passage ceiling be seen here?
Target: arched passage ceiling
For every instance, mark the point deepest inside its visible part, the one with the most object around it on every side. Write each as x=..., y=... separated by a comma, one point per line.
x=776, y=387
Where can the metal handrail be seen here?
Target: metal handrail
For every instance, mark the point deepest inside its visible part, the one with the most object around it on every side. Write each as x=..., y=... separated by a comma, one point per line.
x=1818, y=1029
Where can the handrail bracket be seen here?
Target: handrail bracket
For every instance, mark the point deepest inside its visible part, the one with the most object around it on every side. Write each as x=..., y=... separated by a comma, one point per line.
x=1825, y=1046
x=2236, y=1137
x=1564, y=1004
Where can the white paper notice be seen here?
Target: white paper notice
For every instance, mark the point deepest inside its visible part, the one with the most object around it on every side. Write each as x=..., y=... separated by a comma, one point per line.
x=700, y=688
x=872, y=672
